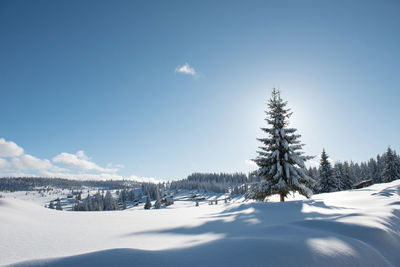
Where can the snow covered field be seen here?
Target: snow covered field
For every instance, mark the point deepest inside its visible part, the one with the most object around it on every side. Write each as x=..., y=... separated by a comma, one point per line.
x=348, y=228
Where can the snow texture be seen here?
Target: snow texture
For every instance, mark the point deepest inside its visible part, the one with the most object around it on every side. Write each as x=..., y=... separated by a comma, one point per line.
x=348, y=228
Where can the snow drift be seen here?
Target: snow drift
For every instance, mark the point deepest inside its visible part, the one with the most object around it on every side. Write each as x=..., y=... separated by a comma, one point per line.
x=348, y=228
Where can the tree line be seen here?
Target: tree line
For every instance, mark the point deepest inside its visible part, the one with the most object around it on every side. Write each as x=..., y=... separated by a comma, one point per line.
x=342, y=175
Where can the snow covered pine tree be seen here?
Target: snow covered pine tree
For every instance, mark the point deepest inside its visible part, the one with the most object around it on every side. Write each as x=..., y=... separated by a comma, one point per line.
x=147, y=206
x=391, y=169
x=327, y=181
x=157, y=205
x=280, y=161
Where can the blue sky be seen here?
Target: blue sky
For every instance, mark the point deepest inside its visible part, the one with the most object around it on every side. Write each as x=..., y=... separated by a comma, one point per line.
x=94, y=87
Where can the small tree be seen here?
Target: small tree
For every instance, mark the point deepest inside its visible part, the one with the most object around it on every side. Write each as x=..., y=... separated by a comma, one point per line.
x=147, y=206
x=58, y=206
x=280, y=160
x=343, y=180
x=328, y=183
x=109, y=202
x=391, y=166
x=157, y=205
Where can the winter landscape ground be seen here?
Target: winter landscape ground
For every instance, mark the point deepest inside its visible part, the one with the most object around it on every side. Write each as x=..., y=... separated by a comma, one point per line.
x=348, y=228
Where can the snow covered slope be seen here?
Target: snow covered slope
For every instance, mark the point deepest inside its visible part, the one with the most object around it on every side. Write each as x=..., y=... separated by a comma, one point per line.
x=349, y=228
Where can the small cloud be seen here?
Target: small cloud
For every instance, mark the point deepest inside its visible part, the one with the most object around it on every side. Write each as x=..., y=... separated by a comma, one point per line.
x=185, y=69
x=9, y=149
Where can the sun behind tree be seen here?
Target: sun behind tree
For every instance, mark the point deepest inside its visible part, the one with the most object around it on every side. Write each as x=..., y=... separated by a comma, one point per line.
x=280, y=160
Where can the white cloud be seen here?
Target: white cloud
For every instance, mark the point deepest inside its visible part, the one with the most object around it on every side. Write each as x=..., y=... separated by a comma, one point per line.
x=28, y=162
x=80, y=161
x=4, y=164
x=185, y=69
x=81, y=154
x=78, y=166
x=9, y=149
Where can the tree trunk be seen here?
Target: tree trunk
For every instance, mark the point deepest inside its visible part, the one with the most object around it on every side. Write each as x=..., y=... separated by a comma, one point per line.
x=282, y=198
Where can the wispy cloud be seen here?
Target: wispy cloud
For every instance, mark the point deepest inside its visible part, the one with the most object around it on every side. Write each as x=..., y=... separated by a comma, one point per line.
x=185, y=69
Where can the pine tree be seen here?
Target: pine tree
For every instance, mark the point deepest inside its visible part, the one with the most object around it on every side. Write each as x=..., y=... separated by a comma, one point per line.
x=338, y=175
x=379, y=169
x=109, y=202
x=157, y=205
x=58, y=206
x=391, y=169
x=280, y=160
x=346, y=179
x=328, y=183
x=343, y=181
x=147, y=206
x=313, y=173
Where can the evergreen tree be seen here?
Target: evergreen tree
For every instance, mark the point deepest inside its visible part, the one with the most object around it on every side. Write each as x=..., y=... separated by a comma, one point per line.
x=109, y=202
x=313, y=173
x=379, y=169
x=346, y=179
x=338, y=175
x=147, y=206
x=58, y=206
x=328, y=183
x=391, y=169
x=157, y=205
x=343, y=181
x=280, y=160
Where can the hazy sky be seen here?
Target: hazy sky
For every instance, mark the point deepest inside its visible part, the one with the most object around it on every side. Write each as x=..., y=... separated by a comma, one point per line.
x=166, y=88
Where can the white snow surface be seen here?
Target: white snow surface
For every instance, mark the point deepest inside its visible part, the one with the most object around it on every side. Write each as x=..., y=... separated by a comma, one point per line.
x=349, y=228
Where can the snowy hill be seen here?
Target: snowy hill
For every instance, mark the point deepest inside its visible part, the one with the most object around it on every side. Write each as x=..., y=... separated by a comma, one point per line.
x=349, y=228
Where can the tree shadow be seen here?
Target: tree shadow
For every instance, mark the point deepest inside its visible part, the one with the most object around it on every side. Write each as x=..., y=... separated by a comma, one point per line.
x=388, y=192
x=263, y=234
